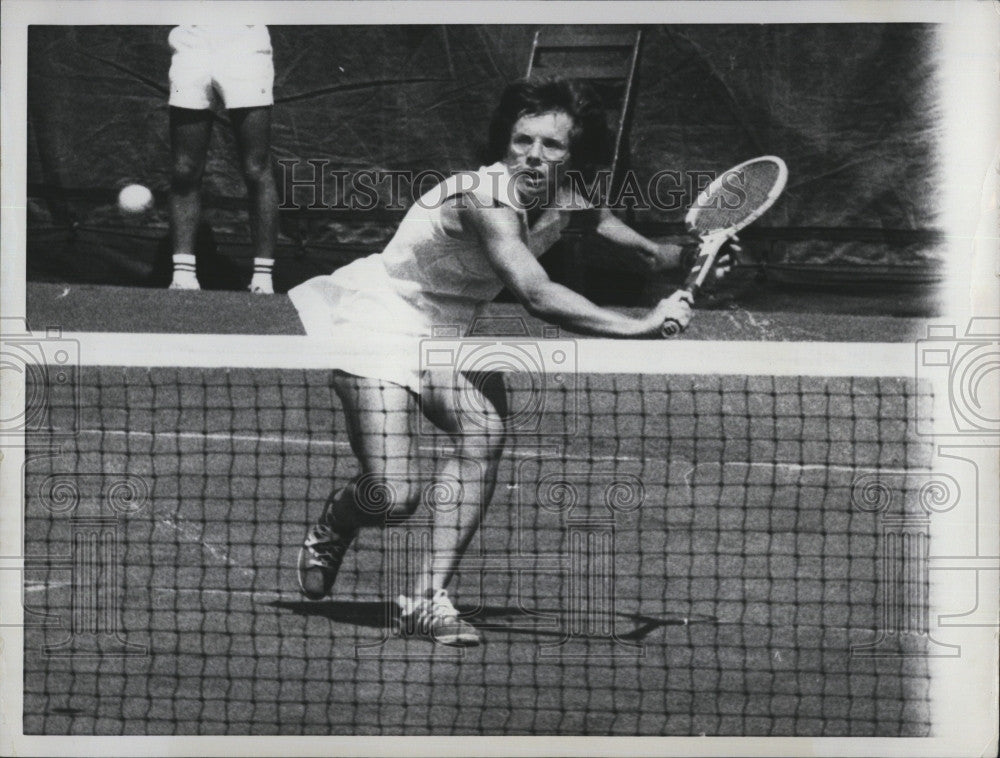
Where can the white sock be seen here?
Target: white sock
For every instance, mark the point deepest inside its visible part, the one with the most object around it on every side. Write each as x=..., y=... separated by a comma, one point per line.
x=184, y=271
x=261, y=281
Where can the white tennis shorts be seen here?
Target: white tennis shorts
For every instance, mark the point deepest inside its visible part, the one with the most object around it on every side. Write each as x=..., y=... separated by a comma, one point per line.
x=235, y=61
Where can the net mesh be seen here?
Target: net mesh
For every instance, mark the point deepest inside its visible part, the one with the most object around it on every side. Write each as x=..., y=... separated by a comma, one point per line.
x=674, y=554
x=741, y=193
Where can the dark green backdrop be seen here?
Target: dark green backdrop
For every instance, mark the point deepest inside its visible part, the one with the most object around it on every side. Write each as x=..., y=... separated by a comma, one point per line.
x=849, y=107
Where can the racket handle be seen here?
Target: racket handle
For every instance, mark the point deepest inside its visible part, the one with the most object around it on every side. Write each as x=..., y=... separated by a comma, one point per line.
x=670, y=327
x=711, y=243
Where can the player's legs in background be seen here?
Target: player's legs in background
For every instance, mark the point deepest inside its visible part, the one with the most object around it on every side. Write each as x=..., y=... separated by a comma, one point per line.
x=190, y=131
x=378, y=416
x=252, y=128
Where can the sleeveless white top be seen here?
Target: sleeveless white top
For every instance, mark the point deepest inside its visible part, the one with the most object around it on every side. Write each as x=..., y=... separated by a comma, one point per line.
x=431, y=274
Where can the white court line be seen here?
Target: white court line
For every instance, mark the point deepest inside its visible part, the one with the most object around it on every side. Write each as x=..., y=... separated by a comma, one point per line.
x=513, y=450
x=547, y=444
x=278, y=439
x=220, y=554
x=191, y=531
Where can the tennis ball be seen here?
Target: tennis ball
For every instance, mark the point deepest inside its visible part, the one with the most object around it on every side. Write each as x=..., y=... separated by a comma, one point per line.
x=135, y=199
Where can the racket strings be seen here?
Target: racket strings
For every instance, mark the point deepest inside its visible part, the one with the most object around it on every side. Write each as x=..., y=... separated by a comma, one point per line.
x=737, y=196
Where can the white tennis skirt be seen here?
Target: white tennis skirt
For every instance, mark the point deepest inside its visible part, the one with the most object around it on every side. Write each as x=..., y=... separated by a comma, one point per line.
x=378, y=333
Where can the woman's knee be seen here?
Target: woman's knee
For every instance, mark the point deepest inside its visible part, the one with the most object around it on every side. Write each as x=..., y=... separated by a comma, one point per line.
x=470, y=409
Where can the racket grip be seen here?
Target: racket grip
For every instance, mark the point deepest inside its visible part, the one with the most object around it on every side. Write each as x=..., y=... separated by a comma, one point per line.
x=670, y=327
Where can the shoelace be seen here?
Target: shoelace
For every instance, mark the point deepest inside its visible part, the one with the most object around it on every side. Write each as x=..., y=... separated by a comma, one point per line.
x=427, y=611
x=441, y=606
x=322, y=545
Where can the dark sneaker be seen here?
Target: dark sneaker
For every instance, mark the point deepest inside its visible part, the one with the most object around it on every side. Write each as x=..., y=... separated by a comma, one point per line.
x=435, y=617
x=320, y=558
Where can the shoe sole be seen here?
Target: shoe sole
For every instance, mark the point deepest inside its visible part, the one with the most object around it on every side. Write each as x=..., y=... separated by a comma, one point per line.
x=458, y=641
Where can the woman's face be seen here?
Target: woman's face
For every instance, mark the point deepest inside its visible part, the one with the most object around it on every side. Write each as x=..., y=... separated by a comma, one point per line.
x=538, y=144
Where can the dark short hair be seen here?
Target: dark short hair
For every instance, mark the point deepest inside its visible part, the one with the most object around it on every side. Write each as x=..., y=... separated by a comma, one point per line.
x=590, y=143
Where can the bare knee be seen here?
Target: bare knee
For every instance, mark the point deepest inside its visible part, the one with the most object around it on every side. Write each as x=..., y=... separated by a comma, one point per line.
x=185, y=174
x=257, y=170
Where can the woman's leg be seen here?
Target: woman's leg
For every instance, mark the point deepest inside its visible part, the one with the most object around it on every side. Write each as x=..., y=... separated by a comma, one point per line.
x=379, y=417
x=379, y=421
x=471, y=410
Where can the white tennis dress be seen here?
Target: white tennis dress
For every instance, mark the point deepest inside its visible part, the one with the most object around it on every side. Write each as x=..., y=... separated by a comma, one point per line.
x=431, y=274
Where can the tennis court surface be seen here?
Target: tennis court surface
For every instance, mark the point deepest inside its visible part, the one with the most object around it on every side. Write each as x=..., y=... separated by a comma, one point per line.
x=672, y=550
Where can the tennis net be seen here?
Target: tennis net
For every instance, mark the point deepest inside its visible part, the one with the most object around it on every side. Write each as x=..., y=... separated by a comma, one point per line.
x=685, y=539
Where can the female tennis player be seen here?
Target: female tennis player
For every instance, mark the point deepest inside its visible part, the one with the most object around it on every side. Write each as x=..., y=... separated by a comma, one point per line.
x=456, y=248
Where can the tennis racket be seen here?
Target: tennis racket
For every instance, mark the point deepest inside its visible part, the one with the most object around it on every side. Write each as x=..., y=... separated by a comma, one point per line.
x=736, y=198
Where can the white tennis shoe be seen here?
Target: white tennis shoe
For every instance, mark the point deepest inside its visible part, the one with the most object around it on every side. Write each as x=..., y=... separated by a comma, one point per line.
x=435, y=617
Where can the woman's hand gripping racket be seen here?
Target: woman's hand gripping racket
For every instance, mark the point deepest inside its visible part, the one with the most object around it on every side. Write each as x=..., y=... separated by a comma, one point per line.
x=736, y=198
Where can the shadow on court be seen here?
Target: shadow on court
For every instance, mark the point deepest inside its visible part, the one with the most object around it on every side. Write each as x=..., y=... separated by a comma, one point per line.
x=557, y=623
x=375, y=615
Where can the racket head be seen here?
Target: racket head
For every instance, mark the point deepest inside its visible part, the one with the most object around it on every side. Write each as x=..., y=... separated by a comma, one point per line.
x=738, y=196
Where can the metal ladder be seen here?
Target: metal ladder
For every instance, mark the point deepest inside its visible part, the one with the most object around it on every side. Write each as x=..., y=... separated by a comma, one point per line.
x=608, y=58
